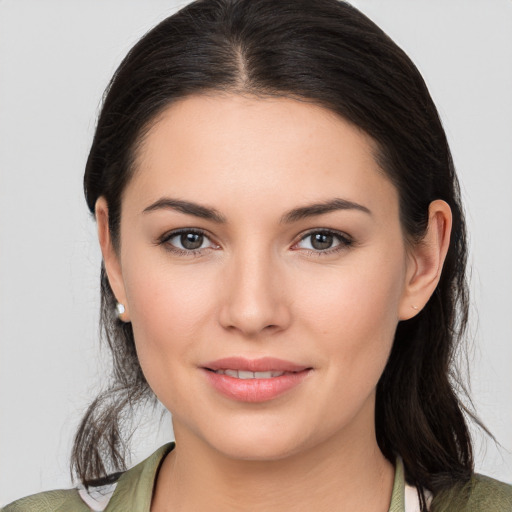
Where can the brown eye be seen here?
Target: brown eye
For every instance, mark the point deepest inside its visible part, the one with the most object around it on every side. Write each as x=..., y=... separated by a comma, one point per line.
x=191, y=241
x=322, y=241
x=187, y=240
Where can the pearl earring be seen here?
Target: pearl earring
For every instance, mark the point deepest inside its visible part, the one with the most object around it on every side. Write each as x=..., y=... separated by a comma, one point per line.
x=120, y=310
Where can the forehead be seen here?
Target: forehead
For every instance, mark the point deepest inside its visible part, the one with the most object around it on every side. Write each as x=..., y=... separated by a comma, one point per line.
x=218, y=147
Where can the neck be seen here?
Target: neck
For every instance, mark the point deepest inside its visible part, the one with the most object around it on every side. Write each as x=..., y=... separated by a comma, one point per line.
x=331, y=476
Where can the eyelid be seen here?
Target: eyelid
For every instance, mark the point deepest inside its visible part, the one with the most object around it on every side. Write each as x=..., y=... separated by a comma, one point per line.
x=345, y=241
x=164, y=239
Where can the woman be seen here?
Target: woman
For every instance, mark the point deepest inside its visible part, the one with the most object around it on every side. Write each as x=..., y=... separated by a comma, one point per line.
x=284, y=269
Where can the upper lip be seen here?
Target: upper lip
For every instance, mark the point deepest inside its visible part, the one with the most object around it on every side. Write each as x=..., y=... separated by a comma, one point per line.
x=263, y=364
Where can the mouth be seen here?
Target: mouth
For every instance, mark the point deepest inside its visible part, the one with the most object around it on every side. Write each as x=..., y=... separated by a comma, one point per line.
x=244, y=374
x=254, y=380
x=246, y=367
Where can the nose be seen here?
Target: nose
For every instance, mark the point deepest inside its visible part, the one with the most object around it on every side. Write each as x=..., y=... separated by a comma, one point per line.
x=254, y=296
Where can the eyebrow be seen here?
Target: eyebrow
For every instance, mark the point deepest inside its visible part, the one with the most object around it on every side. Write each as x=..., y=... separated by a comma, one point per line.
x=321, y=208
x=303, y=212
x=166, y=203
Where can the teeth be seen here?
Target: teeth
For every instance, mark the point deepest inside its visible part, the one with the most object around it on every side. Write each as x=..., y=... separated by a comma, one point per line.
x=262, y=375
x=243, y=374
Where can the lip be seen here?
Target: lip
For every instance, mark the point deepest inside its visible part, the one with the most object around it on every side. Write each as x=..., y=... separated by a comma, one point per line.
x=254, y=390
x=262, y=364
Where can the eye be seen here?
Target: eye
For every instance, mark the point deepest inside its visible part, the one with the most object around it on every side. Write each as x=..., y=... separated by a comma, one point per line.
x=186, y=241
x=324, y=241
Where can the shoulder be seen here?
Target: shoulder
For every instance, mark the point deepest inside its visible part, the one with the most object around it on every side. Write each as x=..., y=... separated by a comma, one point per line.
x=488, y=493
x=50, y=501
x=482, y=493
x=130, y=490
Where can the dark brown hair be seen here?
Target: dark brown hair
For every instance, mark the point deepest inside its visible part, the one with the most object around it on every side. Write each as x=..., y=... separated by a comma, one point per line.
x=328, y=53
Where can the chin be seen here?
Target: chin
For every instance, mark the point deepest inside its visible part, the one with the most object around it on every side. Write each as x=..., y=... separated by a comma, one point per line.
x=258, y=450
x=258, y=440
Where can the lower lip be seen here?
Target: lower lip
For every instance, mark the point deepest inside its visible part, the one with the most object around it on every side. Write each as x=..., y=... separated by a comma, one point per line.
x=255, y=390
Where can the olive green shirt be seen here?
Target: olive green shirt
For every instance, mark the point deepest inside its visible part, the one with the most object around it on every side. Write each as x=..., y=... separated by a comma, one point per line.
x=134, y=491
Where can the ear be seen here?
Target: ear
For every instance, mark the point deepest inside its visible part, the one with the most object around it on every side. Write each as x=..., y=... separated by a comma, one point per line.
x=111, y=258
x=426, y=259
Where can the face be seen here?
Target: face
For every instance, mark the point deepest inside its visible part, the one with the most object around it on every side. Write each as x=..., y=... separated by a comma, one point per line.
x=259, y=235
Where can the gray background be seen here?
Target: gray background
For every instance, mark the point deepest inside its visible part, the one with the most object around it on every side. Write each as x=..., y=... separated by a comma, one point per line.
x=56, y=58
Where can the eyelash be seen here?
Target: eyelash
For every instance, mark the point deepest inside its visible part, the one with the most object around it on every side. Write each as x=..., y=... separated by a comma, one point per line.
x=344, y=242
x=164, y=241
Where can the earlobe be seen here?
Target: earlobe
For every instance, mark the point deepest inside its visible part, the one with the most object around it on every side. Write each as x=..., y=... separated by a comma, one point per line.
x=426, y=261
x=110, y=256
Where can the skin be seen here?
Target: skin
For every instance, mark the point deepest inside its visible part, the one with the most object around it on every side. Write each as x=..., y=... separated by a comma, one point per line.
x=258, y=287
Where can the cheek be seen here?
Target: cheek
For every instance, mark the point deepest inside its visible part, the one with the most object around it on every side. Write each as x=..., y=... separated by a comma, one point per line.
x=355, y=311
x=352, y=321
x=169, y=306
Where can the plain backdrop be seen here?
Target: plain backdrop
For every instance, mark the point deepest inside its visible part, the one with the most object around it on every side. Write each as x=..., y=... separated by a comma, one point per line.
x=56, y=58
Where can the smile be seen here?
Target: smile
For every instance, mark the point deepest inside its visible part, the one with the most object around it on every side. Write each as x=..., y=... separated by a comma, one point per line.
x=254, y=380
x=244, y=374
